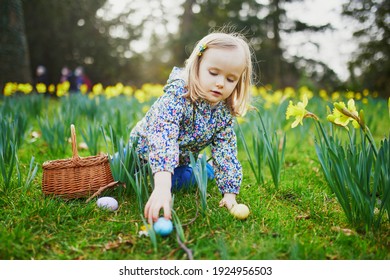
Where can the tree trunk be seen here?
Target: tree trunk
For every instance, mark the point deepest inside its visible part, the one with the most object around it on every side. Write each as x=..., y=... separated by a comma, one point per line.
x=186, y=27
x=14, y=56
x=277, y=77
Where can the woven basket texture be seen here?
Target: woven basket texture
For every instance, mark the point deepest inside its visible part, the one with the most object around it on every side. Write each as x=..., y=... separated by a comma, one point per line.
x=76, y=177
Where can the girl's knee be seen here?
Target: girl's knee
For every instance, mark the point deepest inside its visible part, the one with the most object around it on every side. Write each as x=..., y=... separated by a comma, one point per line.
x=183, y=176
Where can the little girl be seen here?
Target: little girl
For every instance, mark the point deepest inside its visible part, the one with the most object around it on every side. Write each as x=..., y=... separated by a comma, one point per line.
x=197, y=110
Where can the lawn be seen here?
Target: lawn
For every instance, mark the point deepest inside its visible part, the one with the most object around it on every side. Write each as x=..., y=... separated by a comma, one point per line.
x=299, y=219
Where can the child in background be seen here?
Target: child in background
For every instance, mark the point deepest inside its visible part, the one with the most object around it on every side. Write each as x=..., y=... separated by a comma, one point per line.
x=81, y=78
x=197, y=110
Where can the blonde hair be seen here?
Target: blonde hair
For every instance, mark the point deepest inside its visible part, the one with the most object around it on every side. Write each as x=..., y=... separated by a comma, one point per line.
x=238, y=101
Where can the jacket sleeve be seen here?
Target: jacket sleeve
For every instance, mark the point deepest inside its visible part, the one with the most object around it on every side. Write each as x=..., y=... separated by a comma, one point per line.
x=227, y=168
x=163, y=129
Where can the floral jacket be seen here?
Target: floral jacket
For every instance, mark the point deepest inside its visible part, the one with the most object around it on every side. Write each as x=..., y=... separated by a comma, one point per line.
x=174, y=126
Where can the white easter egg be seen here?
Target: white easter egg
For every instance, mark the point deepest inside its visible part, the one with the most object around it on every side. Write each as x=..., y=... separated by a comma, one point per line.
x=240, y=211
x=107, y=202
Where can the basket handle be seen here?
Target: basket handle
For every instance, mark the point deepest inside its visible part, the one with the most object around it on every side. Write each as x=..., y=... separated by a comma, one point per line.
x=74, y=143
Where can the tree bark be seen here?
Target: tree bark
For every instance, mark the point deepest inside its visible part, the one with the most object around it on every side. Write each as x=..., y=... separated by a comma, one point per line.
x=277, y=77
x=14, y=55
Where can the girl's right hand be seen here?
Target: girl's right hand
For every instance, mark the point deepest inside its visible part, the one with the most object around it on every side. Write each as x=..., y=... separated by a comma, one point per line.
x=161, y=198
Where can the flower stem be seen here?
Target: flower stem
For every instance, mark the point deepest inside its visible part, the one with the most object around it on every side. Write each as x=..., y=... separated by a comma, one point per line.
x=368, y=135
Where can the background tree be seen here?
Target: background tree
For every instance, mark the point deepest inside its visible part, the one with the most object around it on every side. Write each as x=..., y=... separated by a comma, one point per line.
x=14, y=56
x=370, y=67
x=71, y=33
x=86, y=33
x=263, y=23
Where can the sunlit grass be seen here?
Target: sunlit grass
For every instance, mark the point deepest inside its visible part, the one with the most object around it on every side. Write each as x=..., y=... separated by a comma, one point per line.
x=301, y=219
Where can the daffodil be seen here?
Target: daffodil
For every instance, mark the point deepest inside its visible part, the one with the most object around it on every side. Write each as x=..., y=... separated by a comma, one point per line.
x=274, y=98
x=350, y=94
x=128, y=90
x=298, y=111
x=335, y=95
x=144, y=230
x=52, y=88
x=262, y=91
x=10, y=88
x=254, y=91
x=41, y=87
x=25, y=88
x=338, y=118
x=305, y=91
x=63, y=89
x=97, y=89
x=84, y=88
x=342, y=114
x=323, y=94
x=289, y=92
x=109, y=92
x=140, y=95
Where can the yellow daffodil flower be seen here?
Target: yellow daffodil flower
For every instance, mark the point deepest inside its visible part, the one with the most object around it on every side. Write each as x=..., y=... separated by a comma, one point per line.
x=52, y=88
x=25, y=88
x=342, y=114
x=140, y=96
x=323, y=94
x=335, y=96
x=97, y=89
x=298, y=111
x=128, y=90
x=350, y=94
x=10, y=89
x=289, y=92
x=254, y=91
x=305, y=91
x=63, y=89
x=83, y=88
x=144, y=230
x=274, y=98
x=41, y=88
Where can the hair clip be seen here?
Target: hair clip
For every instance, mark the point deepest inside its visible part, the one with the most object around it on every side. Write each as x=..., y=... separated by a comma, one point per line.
x=202, y=48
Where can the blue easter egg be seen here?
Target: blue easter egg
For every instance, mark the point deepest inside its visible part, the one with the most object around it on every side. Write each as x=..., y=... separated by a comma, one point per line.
x=163, y=226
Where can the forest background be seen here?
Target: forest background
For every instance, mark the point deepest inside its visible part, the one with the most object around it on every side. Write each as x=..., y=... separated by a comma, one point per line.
x=82, y=33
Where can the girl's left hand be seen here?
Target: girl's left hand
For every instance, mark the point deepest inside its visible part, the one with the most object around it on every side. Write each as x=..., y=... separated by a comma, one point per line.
x=228, y=200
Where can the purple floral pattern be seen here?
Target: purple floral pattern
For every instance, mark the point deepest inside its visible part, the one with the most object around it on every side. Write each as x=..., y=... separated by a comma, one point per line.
x=174, y=127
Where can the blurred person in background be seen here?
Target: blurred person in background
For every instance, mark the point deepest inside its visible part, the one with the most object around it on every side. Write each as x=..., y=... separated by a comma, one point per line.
x=82, y=78
x=67, y=76
x=41, y=76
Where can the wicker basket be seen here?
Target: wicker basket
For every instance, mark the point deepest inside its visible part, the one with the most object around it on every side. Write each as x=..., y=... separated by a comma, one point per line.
x=76, y=177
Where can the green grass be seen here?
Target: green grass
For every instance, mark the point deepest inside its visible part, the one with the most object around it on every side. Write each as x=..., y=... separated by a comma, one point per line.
x=300, y=220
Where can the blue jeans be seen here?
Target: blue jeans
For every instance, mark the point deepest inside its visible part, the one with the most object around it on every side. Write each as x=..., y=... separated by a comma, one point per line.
x=183, y=176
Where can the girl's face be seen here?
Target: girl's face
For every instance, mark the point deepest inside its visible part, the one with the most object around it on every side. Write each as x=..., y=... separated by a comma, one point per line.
x=220, y=71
